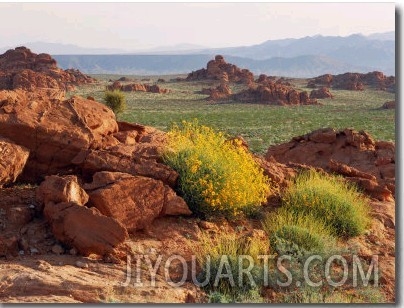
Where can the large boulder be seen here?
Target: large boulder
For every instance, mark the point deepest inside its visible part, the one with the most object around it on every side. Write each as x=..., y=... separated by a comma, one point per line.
x=54, y=131
x=85, y=229
x=353, y=154
x=134, y=201
x=13, y=160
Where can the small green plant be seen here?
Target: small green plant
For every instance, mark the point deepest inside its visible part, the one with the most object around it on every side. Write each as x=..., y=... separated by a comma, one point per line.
x=215, y=175
x=115, y=100
x=330, y=199
x=239, y=252
x=297, y=234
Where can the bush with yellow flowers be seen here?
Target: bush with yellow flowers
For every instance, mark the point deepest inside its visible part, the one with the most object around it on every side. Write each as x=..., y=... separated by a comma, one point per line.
x=215, y=174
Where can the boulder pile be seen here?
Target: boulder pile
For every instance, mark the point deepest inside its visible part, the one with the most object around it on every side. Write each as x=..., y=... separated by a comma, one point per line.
x=216, y=68
x=99, y=178
x=22, y=69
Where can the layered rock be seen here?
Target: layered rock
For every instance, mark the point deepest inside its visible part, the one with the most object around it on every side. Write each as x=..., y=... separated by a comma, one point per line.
x=13, y=160
x=353, y=154
x=22, y=69
x=216, y=69
x=355, y=81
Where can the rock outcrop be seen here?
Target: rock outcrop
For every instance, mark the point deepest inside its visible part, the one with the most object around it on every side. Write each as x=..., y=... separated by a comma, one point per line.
x=137, y=87
x=272, y=93
x=220, y=92
x=321, y=93
x=216, y=69
x=353, y=154
x=53, y=131
x=22, y=69
x=355, y=81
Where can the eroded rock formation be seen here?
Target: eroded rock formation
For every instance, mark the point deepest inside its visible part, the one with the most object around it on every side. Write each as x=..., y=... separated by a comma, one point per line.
x=22, y=69
x=355, y=155
x=216, y=68
x=355, y=81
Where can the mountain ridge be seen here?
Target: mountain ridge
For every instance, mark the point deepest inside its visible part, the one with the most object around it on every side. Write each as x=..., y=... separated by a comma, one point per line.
x=298, y=57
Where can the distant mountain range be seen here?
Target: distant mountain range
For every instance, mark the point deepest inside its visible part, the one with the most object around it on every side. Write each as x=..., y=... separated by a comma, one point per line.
x=305, y=57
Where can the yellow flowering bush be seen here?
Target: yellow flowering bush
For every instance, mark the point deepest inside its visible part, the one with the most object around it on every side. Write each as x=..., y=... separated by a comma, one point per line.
x=216, y=174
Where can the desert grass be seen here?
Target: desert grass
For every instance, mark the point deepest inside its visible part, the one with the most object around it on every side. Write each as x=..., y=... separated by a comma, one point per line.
x=297, y=234
x=330, y=199
x=230, y=246
x=261, y=125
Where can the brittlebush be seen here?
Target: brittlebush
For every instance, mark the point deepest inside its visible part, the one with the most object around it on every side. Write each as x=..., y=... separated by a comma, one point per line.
x=215, y=174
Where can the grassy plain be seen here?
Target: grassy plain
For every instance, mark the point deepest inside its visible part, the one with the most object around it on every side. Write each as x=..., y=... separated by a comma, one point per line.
x=261, y=125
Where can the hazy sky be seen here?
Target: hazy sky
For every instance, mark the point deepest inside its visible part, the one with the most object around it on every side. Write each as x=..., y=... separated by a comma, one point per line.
x=139, y=25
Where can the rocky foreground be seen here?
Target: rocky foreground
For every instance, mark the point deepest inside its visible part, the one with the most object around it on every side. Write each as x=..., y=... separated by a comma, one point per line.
x=83, y=195
x=97, y=191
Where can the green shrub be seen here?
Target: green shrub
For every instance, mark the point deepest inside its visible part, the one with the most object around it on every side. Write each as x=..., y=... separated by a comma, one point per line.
x=215, y=174
x=297, y=234
x=232, y=246
x=330, y=199
x=115, y=100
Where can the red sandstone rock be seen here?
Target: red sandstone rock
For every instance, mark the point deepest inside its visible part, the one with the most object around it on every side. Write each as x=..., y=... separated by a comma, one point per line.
x=353, y=154
x=58, y=189
x=135, y=201
x=323, y=92
x=274, y=94
x=54, y=131
x=22, y=69
x=222, y=91
x=355, y=81
x=127, y=160
x=85, y=229
x=13, y=160
x=137, y=87
x=216, y=70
